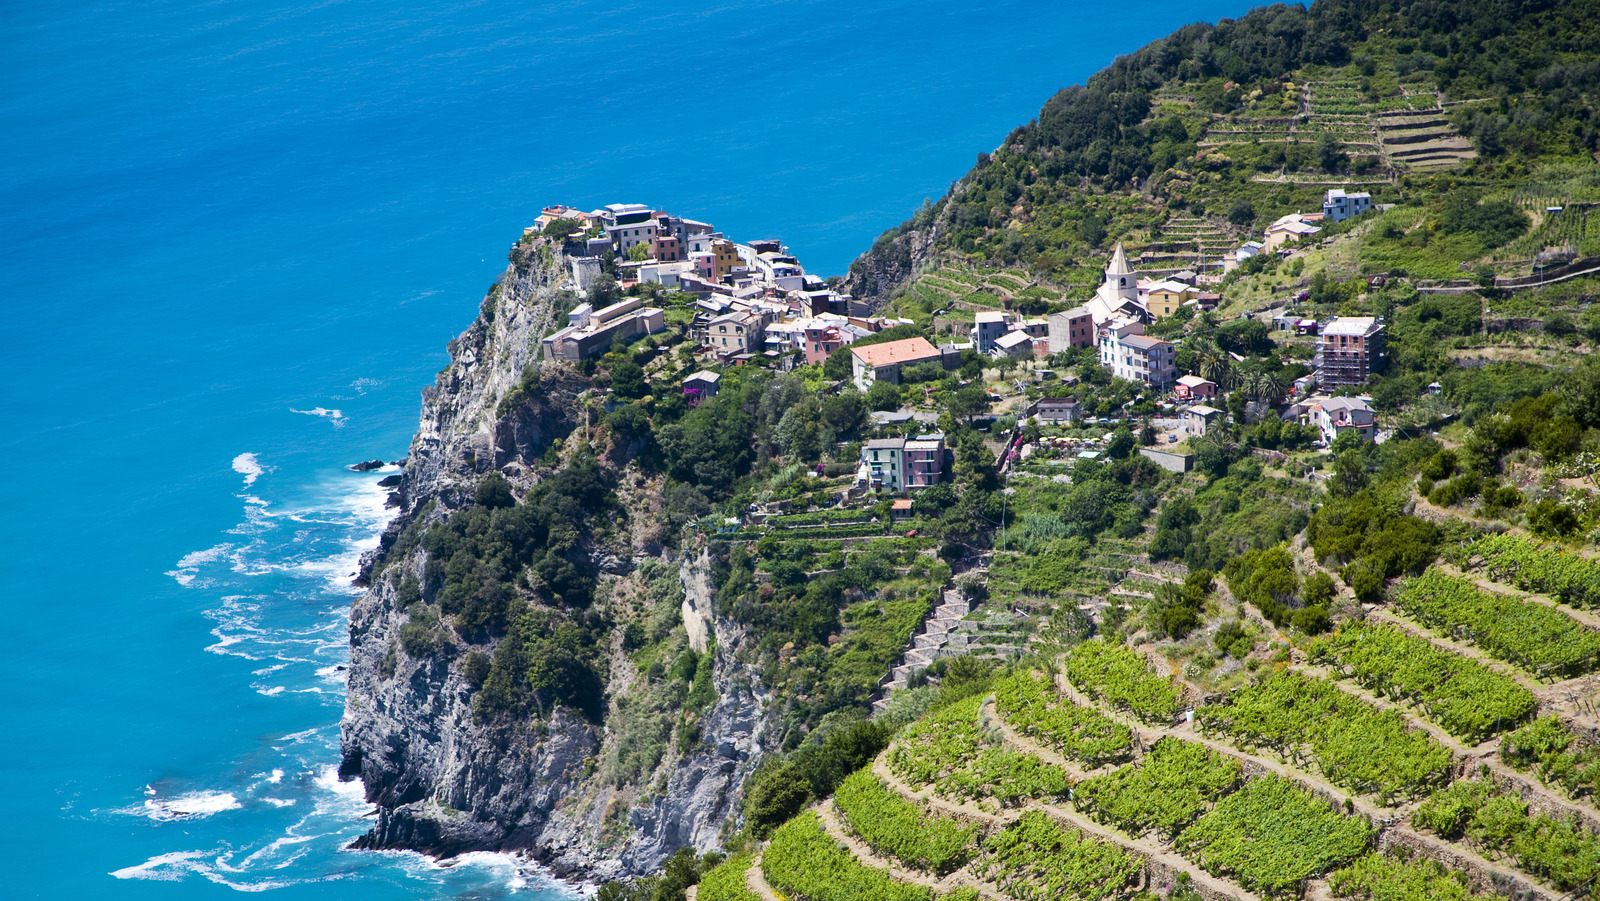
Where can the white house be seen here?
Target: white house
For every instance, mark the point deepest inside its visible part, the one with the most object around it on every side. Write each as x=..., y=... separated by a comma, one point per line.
x=1130, y=354
x=987, y=327
x=1339, y=206
x=1292, y=227
x=1337, y=415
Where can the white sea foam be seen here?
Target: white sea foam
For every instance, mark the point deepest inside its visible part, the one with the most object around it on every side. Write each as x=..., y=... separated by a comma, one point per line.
x=173, y=866
x=164, y=867
x=190, y=564
x=248, y=466
x=336, y=416
x=194, y=805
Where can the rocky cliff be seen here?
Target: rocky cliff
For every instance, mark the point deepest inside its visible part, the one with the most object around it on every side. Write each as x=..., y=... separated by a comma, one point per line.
x=447, y=778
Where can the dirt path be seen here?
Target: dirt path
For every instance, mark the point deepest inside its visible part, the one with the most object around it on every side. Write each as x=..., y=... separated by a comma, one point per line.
x=756, y=881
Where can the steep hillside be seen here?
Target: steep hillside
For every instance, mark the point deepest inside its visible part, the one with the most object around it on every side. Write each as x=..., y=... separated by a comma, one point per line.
x=1219, y=129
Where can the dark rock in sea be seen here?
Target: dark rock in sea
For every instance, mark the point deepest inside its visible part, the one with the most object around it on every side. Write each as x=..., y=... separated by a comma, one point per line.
x=394, y=500
x=390, y=481
x=368, y=466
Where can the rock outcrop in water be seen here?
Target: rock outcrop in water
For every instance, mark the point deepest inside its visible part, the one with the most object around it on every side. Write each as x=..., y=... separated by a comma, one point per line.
x=448, y=780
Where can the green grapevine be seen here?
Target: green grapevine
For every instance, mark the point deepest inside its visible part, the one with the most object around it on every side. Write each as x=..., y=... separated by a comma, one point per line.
x=1566, y=577
x=726, y=881
x=1379, y=877
x=1555, y=755
x=802, y=860
x=1464, y=697
x=1560, y=852
x=1121, y=676
x=962, y=762
x=1355, y=745
x=1038, y=859
x=896, y=827
x=1032, y=706
x=1537, y=638
x=1271, y=836
x=1166, y=790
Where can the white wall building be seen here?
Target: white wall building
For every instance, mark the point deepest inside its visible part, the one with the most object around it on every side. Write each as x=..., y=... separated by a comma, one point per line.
x=1130, y=354
x=1339, y=206
x=987, y=327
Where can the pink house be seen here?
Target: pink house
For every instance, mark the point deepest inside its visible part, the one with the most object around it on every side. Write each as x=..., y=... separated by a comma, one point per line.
x=1193, y=387
x=821, y=341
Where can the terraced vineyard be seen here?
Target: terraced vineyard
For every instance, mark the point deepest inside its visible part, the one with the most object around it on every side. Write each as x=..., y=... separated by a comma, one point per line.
x=1518, y=560
x=1312, y=723
x=1464, y=697
x=1314, y=779
x=1537, y=638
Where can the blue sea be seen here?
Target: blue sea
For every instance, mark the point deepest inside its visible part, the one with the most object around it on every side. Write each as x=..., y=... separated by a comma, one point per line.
x=234, y=238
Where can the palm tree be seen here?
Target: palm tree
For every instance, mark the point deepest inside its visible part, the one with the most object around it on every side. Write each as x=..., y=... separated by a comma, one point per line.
x=1268, y=386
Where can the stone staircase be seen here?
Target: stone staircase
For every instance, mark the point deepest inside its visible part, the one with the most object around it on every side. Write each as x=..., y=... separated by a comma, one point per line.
x=944, y=634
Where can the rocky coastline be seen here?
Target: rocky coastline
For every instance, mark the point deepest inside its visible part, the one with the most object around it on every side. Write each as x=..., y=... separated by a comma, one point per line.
x=446, y=782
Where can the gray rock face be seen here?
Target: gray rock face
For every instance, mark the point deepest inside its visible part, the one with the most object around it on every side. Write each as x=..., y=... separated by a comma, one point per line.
x=446, y=783
x=875, y=274
x=702, y=792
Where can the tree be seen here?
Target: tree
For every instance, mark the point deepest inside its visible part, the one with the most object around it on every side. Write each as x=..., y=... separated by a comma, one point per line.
x=1349, y=474
x=638, y=253
x=844, y=414
x=560, y=228
x=1242, y=213
x=799, y=433
x=602, y=291
x=1330, y=154
x=883, y=396
x=1121, y=445
x=968, y=402
x=776, y=792
x=627, y=379
x=494, y=492
x=838, y=366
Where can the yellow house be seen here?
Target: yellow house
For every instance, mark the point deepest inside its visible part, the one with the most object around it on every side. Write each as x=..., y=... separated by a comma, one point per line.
x=727, y=257
x=1166, y=297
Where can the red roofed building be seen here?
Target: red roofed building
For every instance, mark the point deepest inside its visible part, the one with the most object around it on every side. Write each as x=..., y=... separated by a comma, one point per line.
x=882, y=362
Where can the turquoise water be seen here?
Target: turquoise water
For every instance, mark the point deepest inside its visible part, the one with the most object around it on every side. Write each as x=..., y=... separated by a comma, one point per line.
x=237, y=236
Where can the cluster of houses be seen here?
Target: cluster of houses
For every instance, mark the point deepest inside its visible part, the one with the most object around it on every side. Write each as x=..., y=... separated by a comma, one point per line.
x=1337, y=206
x=751, y=299
x=755, y=300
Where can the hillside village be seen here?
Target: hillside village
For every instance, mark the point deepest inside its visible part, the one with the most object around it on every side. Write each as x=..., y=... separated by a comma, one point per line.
x=753, y=304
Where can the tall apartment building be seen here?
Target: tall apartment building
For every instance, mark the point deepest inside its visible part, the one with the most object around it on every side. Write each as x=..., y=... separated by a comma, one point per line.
x=987, y=327
x=1349, y=350
x=901, y=463
x=1072, y=328
x=1130, y=354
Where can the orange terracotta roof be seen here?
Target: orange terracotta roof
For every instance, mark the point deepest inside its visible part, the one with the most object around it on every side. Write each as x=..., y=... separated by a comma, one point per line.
x=903, y=351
